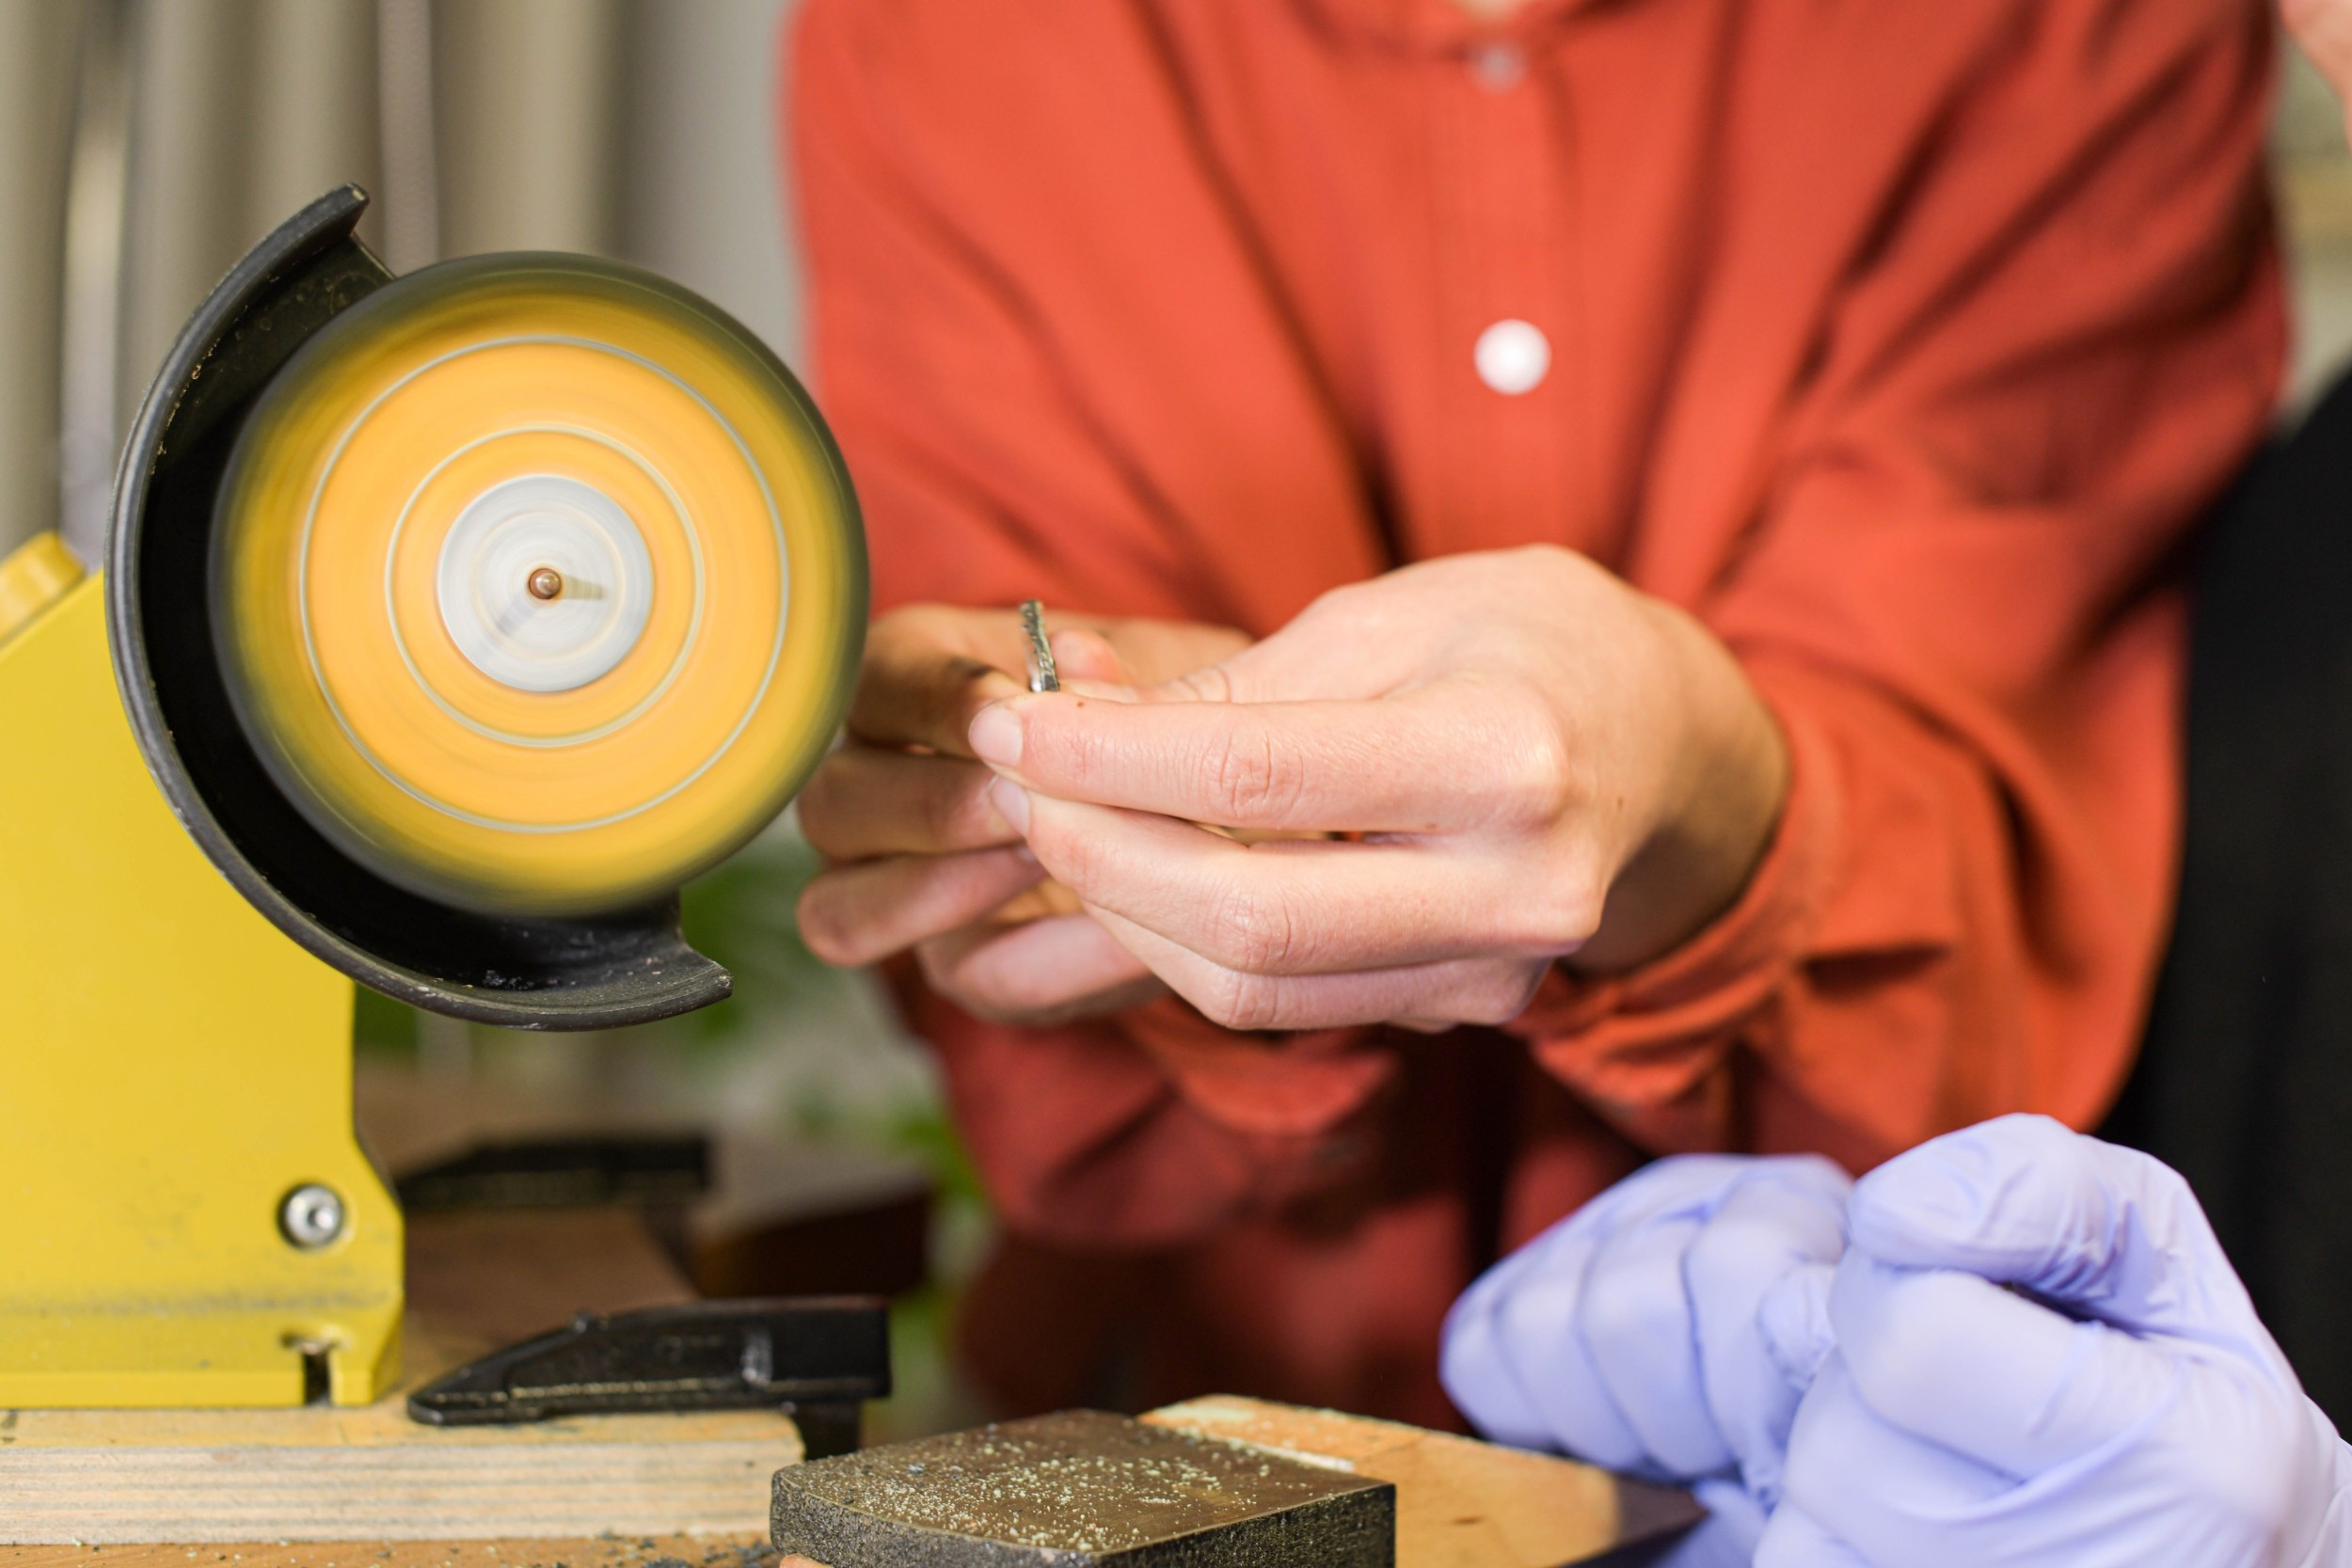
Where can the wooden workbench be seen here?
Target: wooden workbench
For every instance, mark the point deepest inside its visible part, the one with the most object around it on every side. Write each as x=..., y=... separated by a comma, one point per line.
x=606, y=1551
x=477, y=1281
x=368, y=1489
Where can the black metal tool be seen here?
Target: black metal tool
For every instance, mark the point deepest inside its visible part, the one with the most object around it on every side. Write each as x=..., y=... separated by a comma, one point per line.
x=817, y=1358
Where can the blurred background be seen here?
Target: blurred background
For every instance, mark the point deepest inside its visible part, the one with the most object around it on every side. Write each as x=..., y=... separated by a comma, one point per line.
x=151, y=141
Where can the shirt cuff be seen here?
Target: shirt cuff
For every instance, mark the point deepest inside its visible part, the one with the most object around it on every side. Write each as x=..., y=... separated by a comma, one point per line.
x=1649, y=1040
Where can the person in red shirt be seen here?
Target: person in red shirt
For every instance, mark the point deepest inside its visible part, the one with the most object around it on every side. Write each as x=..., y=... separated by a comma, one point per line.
x=1656, y=515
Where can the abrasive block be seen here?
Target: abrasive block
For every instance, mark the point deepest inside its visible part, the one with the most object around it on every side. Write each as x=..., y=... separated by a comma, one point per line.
x=1076, y=1490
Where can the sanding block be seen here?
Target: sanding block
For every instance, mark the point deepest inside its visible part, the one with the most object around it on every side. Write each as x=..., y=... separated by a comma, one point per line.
x=1216, y=1483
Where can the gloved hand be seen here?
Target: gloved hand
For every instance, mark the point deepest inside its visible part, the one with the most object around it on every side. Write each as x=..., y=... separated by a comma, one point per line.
x=2044, y=1359
x=1634, y=1332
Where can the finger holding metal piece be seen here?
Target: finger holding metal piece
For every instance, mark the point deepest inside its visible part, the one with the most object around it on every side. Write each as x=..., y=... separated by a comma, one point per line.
x=1042, y=675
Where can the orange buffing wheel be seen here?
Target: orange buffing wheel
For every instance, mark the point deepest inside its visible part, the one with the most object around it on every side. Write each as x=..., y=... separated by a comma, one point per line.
x=538, y=584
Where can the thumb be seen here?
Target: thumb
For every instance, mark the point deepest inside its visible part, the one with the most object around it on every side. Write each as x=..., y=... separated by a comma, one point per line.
x=1328, y=654
x=2094, y=1230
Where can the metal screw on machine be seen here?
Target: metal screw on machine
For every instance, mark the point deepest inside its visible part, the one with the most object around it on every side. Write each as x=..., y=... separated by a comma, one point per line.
x=312, y=1216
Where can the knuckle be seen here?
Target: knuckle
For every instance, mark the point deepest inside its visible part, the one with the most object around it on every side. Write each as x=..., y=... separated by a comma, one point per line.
x=1746, y=1251
x=1536, y=1314
x=1076, y=757
x=1488, y=993
x=1253, y=932
x=1348, y=600
x=957, y=814
x=1533, y=776
x=1079, y=861
x=1503, y=997
x=1212, y=682
x=1559, y=915
x=1251, y=778
x=989, y=991
x=987, y=996
x=1243, y=1003
x=942, y=813
x=1628, y=1307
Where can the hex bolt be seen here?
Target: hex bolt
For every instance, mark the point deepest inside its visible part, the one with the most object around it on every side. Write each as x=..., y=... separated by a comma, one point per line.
x=312, y=1216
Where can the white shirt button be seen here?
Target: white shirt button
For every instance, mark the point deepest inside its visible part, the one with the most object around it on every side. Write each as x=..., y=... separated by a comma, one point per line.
x=1513, y=356
x=1498, y=67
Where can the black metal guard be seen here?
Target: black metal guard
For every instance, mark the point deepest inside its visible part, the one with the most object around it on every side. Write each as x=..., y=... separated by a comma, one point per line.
x=591, y=973
x=817, y=1358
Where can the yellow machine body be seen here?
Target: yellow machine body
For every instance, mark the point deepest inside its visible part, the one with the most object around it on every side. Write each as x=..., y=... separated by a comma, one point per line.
x=171, y=1069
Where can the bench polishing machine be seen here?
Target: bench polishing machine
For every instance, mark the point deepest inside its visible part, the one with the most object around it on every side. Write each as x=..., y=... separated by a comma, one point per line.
x=447, y=625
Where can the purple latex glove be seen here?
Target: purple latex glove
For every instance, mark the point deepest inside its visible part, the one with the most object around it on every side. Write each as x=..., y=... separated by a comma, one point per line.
x=2142, y=1415
x=1635, y=1333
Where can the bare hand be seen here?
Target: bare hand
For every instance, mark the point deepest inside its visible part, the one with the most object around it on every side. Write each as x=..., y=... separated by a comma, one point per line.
x=1538, y=761
x=923, y=860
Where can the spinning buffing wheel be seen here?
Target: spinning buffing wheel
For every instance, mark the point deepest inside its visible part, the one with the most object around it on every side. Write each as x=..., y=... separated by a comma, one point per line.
x=530, y=586
x=503, y=584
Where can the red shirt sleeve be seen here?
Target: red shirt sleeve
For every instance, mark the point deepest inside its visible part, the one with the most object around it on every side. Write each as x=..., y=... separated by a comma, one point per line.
x=1956, y=602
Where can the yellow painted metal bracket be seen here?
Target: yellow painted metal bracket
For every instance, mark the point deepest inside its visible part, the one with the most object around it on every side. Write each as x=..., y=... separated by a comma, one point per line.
x=172, y=1070
x=33, y=576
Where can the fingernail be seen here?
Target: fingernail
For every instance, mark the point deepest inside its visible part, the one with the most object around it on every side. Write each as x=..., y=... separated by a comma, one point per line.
x=1010, y=799
x=995, y=735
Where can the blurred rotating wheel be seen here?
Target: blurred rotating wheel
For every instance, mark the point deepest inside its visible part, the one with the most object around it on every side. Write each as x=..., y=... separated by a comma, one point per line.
x=537, y=585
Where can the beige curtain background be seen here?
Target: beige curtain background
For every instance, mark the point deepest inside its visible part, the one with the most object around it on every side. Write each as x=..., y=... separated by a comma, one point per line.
x=39, y=48
x=153, y=141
